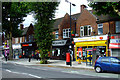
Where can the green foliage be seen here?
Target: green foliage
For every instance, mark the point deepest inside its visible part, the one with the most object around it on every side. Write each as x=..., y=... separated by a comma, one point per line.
x=43, y=28
x=111, y=8
x=12, y=15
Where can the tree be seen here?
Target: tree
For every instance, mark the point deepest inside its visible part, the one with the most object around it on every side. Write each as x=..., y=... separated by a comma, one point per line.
x=12, y=15
x=43, y=27
x=111, y=8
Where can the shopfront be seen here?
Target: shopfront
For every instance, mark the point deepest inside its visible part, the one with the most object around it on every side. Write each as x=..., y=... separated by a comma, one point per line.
x=89, y=48
x=17, y=51
x=28, y=49
x=59, y=49
x=115, y=45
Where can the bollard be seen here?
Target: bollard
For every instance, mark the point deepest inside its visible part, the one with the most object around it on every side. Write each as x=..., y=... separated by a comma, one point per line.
x=79, y=60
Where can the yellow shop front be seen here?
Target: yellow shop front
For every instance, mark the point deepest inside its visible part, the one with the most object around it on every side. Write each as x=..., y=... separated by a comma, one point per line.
x=87, y=49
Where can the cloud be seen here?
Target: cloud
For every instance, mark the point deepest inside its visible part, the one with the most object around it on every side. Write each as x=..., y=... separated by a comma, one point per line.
x=28, y=20
x=64, y=7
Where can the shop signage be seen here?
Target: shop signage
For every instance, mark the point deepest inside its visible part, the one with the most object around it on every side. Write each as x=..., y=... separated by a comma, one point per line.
x=59, y=43
x=115, y=41
x=16, y=46
x=92, y=38
x=27, y=45
x=115, y=36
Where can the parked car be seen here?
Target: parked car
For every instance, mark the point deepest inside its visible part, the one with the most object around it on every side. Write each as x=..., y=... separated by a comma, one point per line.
x=111, y=64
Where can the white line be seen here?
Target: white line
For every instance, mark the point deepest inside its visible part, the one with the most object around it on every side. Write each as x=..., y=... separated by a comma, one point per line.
x=23, y=73
x=35, y=68
x=97, y=75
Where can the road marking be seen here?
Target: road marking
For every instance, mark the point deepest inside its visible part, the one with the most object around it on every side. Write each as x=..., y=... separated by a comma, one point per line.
x=35, y=68
x=96, y=74
x=23, y=73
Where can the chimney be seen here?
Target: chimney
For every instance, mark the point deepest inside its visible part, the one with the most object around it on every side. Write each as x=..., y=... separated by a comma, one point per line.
x=21, y=26
x=82, y=7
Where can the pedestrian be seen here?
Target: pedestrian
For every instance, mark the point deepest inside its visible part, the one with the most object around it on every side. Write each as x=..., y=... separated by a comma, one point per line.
x=6, y=56
x=29, y=57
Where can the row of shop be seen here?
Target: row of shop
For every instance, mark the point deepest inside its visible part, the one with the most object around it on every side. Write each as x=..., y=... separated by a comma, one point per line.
x=87, y=48
x=22, y=50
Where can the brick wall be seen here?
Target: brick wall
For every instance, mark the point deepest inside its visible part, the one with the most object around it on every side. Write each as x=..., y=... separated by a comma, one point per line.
x=86, y=18
x=66, y=24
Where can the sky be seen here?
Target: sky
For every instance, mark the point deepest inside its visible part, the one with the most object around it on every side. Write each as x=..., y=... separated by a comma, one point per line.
x=63, y=8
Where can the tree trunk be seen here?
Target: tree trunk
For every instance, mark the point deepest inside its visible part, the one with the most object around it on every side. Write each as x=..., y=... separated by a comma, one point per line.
x=10, y=47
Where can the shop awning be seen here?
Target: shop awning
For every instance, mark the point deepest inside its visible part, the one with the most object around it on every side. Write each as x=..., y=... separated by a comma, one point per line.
x=59, y=43
x=16, y=46
x=114, y=45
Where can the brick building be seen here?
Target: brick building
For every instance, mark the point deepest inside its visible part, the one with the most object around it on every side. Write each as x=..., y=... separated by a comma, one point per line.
x=24, y=45
x=62, y=35
x=94, y=36
x=91, y=35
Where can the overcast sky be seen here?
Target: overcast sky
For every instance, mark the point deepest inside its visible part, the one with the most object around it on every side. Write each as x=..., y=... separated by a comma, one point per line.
x=63, y=8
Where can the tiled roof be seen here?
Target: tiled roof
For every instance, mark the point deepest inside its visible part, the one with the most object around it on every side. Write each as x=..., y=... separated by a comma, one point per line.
x=106, y=18
x=75, y=16
x=58, y=20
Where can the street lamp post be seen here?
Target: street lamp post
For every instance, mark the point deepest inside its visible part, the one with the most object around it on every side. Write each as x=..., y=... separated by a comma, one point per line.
x=70, y=46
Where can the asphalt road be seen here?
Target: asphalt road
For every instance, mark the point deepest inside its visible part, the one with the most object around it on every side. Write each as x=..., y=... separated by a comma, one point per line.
x=10, y=70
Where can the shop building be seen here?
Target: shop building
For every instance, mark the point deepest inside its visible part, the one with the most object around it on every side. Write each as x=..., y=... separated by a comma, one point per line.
x=17, y=50
x=25, y=45
x=62, y=36
x=89, y=48
x=114, y=45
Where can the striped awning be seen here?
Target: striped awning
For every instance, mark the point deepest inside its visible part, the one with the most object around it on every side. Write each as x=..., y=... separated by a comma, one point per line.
x=114, y=45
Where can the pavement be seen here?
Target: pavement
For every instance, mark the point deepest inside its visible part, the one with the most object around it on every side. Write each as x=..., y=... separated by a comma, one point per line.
x=52, y=63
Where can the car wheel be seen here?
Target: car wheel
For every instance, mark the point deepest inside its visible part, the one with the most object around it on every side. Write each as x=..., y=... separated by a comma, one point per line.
x=98, y=69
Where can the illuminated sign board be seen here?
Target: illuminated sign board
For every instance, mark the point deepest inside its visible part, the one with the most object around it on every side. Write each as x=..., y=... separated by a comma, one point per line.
x=59, y=43
x=26, y=45
x=92, y=38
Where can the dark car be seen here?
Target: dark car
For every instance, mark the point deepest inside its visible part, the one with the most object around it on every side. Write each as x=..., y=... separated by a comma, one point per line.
x=111, y=64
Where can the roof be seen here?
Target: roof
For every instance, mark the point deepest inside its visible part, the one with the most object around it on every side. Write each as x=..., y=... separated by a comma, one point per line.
x=75, y=16
x=106, y=18
x=25, y=31
x=58, y=20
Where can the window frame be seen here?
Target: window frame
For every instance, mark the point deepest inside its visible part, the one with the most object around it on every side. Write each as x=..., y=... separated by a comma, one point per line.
x=20, y=39
x=66, y=33
x=117, y=27
x=82, y=31
x=56, y=33
x=99, y=27
x=16, y=40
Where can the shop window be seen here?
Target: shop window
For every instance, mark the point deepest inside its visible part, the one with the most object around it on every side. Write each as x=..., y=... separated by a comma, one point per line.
x=20, y=39
x=117, y=26
x=85, y=30
x=100, y=29
x=31, y=38
x=56, y=52
x=16, y=40
x=66, y=33
x=25, y=39
x=56, y=34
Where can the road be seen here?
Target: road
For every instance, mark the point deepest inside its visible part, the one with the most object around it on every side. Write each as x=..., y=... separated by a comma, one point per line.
x=10, y=70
